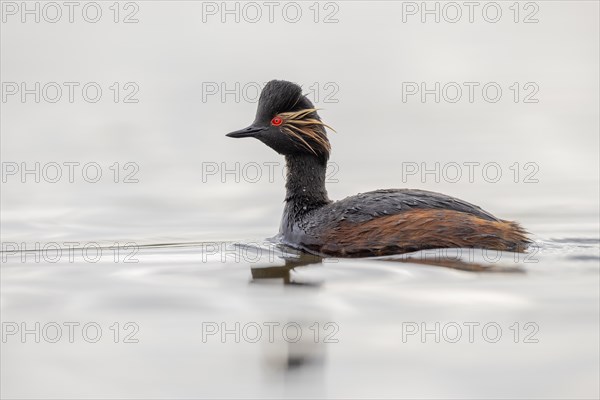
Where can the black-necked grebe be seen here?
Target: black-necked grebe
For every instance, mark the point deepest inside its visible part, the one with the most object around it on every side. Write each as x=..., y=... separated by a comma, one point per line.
x=382, y=222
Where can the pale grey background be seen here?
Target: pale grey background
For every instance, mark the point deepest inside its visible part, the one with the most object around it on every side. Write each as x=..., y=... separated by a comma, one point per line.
x=368, y=54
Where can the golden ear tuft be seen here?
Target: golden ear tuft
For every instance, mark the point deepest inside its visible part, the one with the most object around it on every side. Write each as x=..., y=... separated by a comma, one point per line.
x=299, y=124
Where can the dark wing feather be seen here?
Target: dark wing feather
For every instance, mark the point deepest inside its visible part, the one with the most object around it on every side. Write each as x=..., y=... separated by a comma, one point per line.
x=379, y=203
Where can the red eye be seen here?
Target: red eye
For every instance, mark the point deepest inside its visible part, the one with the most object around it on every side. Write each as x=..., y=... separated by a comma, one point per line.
x=276, y=121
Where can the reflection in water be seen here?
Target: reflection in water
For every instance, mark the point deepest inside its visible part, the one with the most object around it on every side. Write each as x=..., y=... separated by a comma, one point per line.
x=301, y=351
x=294, y=353
x=307, y=354
x=461, y=265
x=296, y=358
x=444, y=258
x=284, y=272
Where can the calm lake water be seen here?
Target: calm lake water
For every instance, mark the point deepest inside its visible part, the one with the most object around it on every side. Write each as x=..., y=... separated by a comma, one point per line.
x=154, y=276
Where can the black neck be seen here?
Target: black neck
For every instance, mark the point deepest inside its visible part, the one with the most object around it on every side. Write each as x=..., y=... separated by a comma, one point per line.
x=305, y=184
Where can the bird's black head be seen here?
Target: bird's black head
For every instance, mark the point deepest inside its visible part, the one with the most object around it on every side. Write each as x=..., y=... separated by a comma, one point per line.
x=287, y=122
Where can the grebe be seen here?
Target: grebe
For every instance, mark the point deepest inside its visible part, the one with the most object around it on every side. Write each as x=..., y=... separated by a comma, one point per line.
x=377, y=223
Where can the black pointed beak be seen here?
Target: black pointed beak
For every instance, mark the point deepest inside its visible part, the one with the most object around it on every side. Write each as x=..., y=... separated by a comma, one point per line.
x=250, y=131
